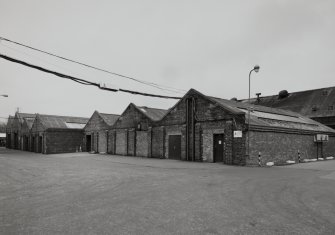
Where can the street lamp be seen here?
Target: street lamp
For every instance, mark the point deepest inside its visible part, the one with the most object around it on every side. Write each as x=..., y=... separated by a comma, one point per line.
x=256, y=69
x=4, y=95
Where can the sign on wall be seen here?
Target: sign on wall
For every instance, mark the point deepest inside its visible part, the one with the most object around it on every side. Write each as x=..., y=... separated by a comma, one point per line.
x=237, y=134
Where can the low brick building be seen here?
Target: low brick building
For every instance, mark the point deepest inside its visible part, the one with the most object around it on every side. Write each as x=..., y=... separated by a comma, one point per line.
x=204, y=128
x=57, y=134
x=129, y=135
x=96, y=132
x=318, y=104
x=14, y=127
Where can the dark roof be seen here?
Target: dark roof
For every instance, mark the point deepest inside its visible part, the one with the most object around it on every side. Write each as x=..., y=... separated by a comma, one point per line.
x=66, y=122
x=311, y=103
x=152, y=113
x=110, y=119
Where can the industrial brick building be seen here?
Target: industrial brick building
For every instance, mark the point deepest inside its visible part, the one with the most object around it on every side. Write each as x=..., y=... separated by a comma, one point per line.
x=204, y=128
x=96, y=132
x=14, y=129
x=318, y=104
x=129, y=135
x=57, y=134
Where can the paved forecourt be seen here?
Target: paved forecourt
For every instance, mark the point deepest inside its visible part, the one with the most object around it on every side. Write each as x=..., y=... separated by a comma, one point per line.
x=104, y=194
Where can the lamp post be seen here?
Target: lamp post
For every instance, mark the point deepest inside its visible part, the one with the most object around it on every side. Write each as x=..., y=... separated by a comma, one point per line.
x=256, y=69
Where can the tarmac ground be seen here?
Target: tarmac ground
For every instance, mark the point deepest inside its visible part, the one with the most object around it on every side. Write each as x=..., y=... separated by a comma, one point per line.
x=84, y=193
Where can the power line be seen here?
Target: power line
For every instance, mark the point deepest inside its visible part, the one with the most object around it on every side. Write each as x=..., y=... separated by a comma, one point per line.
x=82, y=81
x=96, y=68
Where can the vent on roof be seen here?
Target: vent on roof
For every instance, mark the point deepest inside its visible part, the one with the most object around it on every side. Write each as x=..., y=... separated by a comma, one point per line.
x=234, y=99
x=331, y=107
x=283, y=94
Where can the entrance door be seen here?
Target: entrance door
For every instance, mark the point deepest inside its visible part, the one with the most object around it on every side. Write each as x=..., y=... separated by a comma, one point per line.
x=175, y=147
x=88, y=143
x=40, y=139
x=218, y=147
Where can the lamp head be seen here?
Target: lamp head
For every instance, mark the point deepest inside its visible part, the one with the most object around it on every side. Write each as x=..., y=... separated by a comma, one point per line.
x=4, y=95
x=256, y=68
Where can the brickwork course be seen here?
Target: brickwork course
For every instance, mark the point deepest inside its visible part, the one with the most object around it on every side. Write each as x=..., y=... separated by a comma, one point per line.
x=96, y=132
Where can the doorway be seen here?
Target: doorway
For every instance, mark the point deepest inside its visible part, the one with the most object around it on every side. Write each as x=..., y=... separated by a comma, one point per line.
x=218, y=150
x=175, y=147
x=88, y=143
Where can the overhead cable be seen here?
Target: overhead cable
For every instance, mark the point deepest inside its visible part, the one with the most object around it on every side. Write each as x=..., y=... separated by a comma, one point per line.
x=82, y=81
x=96, y=68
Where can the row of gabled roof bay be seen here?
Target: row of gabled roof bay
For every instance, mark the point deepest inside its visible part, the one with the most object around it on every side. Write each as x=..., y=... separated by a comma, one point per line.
x=260, y=116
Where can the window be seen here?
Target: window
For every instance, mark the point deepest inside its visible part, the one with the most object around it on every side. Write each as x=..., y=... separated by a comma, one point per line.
x=74, y=125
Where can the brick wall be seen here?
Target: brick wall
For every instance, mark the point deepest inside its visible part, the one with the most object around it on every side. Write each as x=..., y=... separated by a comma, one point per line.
x=102, y=146
x=142, y=144
x=131, y=142
x=157, y=148
x=280, y=147
x=111, y=142
x=329, y=147
x=121, y=142
x=62, y=141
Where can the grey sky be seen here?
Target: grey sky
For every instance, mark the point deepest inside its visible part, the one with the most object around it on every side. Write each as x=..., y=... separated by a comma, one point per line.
x=207, y=45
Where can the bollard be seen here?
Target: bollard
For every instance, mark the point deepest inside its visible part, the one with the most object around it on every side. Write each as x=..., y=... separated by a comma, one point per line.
x=259, y=158
x=299, y=156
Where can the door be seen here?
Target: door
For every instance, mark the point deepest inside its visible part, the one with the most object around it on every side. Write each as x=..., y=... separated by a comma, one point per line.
x=175, y=147
x=88, y=143
x=40, y=140
x=218, y=150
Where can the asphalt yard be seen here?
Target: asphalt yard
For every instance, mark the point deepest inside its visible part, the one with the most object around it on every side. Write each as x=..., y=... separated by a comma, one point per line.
x=85, y=193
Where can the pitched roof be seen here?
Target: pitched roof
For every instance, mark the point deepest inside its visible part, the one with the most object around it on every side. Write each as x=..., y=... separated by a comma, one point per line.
x=21, y=116
x=10, y=121
x=152, y=113
x=274, y=118
x=66, y=122
x=265, y=117
x=311, y=103
x=110, y=119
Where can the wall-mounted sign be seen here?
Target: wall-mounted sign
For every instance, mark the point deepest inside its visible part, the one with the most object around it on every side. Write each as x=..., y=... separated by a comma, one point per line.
x=237, y=134
x=321, y=138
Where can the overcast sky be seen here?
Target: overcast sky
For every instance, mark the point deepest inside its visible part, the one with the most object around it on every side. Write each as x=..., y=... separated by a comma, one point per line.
x=207, y=45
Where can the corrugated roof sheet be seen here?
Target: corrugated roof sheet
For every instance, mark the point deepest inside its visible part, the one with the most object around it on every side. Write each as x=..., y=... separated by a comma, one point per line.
x=153, y=113
x=311, y=103
x=110, y=119
x=52, y=121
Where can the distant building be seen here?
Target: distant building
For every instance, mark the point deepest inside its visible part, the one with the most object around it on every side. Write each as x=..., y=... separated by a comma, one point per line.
x=57, y=134
x=318, y=104
x=14, y=127
x=96, y=132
